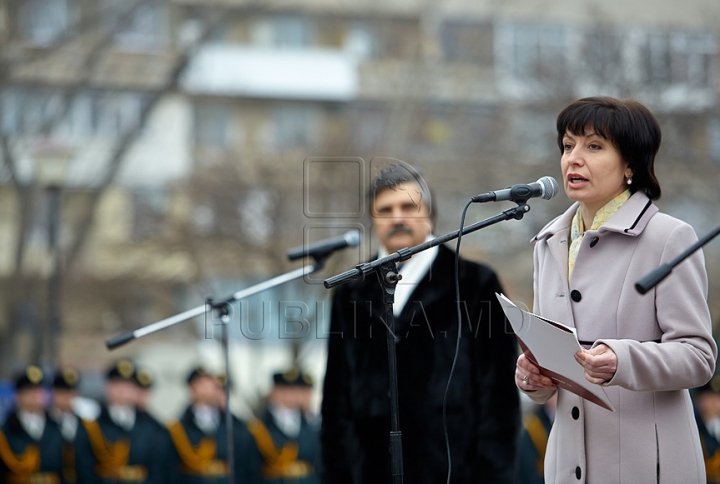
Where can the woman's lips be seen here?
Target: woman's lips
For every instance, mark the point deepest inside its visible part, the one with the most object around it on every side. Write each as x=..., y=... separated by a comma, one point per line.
x=576, y=181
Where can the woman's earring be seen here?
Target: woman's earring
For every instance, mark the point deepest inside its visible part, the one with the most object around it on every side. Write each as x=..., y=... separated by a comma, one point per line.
x=629, y=181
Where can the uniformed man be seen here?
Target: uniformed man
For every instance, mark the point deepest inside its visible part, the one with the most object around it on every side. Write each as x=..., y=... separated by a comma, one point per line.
x=707, y=415
x=122, y=445
x=199, y=451
x=532, y=444
x=285, y=444
x=65, y=391
x=30, y=441
x=144, y=381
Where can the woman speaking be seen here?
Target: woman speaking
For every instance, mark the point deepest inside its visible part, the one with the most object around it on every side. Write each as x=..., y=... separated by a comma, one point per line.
x=646, y=350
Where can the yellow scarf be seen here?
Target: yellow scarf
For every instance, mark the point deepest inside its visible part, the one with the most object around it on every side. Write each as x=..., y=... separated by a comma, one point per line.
x=577, y=230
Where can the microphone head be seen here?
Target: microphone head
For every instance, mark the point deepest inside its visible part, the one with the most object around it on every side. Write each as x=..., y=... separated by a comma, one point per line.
x=549, y=187
x=352, y=237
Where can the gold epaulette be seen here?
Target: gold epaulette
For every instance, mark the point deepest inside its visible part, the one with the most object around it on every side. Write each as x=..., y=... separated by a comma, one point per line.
x=24, y=464
x=113, y=457
x=539, y=437
x=279, y=463
x=197, y=459
x=712, y=463
x=37, y=478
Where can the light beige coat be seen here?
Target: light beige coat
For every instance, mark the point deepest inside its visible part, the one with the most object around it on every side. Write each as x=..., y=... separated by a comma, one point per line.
x=662, y=339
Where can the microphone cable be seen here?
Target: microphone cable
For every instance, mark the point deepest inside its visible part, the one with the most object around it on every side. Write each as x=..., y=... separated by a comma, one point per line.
x=457, y=342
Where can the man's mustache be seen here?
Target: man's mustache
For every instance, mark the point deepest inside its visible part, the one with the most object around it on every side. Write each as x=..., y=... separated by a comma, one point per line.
x=397, y=229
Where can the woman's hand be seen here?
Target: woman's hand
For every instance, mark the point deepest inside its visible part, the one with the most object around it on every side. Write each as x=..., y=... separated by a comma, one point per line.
x=528, y=377
x=600, y=363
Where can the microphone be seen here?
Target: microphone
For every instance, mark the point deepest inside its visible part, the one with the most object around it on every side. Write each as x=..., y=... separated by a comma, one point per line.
x=351, y=238
x=654, y=277
x=545, y=188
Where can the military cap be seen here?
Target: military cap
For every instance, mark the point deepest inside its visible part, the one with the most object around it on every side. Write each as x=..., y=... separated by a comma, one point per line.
x=293, y=376
x=66, y=378
x=144, y=378
x=31, y=376
x=122, y=370
x=222, y=379
x=198, y=372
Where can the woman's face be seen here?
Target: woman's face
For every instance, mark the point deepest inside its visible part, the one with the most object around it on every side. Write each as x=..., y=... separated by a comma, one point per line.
x=593, y=170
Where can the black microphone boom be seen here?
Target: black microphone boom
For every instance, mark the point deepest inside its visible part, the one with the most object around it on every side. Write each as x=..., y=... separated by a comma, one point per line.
x=653, y=278
x=545, y=188
x=323, y=248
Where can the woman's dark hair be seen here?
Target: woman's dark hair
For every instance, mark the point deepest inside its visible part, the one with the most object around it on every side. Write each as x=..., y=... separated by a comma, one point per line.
x=631, y=128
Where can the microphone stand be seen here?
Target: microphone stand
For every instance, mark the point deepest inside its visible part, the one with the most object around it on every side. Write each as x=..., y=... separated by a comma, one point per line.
x=654, y=277
x=386, y=270
x=222, y=310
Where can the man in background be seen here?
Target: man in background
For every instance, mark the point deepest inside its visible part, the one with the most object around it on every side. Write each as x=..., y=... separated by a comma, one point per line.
x=285, y=449
x=482, y=402
x=122, y=444
x=532, y=444
x=65, y=392
x=707, y=415
x=198, y=451
x=30, y=441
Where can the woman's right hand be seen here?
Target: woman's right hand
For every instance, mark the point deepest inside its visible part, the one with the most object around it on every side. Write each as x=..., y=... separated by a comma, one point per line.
x=528, y=377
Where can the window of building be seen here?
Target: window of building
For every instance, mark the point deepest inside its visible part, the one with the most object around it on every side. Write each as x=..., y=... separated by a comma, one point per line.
x=532, y=60
x=601, y=57
x=27, y=111
x=282, y=31
x=293, y=32
x=141, y=27
x=361, y=40
x=465, y=41
x=294, y=126
x=532, y=52
x=115, y=113
x=677, y=58
x=211, y=124
x=44, y=21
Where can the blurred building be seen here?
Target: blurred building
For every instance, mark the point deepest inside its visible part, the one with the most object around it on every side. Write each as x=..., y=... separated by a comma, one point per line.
x=159, y=152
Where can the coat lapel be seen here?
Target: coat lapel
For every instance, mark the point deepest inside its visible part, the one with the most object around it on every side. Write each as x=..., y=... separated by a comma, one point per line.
x=556, y=235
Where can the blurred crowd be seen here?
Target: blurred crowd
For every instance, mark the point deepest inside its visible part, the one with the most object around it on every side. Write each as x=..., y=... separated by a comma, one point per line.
x=54, y=435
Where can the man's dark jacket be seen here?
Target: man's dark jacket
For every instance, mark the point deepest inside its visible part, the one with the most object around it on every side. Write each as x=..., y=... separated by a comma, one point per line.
x=307, y=442
x=18, y=441
x=147, y=449
x=179, y=472
x=482, y=403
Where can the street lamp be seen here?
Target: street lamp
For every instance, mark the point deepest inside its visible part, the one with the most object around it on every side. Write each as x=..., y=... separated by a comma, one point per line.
x=53, y=162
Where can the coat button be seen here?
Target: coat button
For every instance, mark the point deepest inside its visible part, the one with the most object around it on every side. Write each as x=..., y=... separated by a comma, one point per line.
x=575, y=295
x=594, y=241
x=578, y=473
x=575, y=413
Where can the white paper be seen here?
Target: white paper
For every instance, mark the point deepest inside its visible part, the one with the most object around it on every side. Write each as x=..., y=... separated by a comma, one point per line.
x=553, y=346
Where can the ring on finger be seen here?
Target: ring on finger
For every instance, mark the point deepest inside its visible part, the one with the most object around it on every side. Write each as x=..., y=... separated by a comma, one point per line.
x=525, y=379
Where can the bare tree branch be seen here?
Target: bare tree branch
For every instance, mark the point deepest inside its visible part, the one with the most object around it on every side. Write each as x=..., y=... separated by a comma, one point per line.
x=125, y=141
